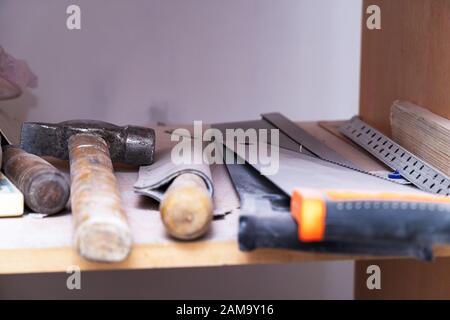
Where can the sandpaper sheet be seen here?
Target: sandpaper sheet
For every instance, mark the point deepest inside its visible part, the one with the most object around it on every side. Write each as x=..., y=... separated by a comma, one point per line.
x=154, y=179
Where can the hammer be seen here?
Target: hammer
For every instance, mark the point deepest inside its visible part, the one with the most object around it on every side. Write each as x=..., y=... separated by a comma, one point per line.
x=101, y=230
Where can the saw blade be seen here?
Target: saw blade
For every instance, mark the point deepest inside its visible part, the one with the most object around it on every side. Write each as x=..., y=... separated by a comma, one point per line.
x=305, y=139
x=298, y=140
x=313, y=146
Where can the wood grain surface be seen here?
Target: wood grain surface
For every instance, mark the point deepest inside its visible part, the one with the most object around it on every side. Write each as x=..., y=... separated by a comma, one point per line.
x=423, y=133
x=408, y=59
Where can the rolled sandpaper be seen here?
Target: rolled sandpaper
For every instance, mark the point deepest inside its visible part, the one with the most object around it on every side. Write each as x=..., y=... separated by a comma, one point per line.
x=46, y=190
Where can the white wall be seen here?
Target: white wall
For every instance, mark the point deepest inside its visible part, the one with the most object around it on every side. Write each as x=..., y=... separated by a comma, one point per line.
x=176, y=60
x=179, y=60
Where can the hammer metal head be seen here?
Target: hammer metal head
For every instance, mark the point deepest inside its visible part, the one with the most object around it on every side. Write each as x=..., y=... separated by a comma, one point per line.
x=129, y=144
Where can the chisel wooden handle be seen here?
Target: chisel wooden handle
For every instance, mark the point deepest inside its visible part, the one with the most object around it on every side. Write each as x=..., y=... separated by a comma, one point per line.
x=371, y=217
x=101, y=229
x=186, y=208
x=46, y=190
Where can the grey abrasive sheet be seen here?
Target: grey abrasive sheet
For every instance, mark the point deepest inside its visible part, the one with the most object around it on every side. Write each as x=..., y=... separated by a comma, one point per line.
x=154, y=179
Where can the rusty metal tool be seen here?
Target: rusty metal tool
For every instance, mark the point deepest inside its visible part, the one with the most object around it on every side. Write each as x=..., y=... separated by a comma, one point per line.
x=130, y=144
x=101, y=230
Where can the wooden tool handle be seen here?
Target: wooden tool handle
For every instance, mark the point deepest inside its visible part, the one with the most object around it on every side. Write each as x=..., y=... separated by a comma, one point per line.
x=186, y=208
x=46, y=190
x=101, y=229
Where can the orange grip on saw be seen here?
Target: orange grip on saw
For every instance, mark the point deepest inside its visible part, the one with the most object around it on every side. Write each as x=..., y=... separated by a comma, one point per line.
x=353, y=216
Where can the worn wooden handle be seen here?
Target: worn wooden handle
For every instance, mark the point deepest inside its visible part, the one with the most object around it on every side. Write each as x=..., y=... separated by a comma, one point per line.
x=101, y=229
x=186, y=208
x=46, y=190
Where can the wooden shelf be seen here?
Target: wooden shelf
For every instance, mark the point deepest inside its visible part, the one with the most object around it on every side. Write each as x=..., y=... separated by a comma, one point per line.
x=32, y=245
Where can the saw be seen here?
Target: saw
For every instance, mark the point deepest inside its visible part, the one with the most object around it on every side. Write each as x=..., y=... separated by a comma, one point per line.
x=333, y=200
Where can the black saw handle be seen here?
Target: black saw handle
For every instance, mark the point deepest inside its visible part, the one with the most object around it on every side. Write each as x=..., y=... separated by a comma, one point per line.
x=379, y=217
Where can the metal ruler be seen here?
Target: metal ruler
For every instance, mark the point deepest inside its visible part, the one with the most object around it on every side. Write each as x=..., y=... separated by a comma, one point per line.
x=415, y=170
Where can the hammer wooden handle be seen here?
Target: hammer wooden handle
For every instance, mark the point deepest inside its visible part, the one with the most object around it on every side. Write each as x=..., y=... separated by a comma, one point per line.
x=186, y=208
x=101, y=229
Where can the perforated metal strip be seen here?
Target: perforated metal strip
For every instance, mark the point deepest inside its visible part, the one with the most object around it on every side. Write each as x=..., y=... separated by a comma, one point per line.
x=415, y=170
